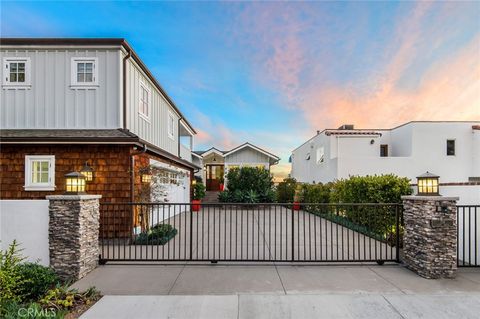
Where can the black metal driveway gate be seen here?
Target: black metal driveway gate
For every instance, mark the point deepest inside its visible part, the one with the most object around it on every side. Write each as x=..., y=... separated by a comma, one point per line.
x=250, y=232
x=468, y=223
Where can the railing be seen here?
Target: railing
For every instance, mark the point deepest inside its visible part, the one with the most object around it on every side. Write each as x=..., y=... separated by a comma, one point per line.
x=251, y=232
x=185, y=153
x=468, y=248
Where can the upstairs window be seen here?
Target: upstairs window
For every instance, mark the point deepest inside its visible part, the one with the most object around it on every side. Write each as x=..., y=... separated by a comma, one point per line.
x=450, y=147
x=384, y=150
x=144, y=103
x=171, y=126
x=39, y=173
x=16, y=72
x=84, y=72
x=320, y=155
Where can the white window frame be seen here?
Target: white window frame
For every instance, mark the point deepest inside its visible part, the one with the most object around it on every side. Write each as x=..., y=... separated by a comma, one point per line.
x=73, y=72
x=149, y=104
x=6, y=73
x=171, y=125
x=29, y=184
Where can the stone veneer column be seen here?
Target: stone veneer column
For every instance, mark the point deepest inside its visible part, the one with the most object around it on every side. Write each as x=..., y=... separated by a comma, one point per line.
x=430, y=239
x=73, y=234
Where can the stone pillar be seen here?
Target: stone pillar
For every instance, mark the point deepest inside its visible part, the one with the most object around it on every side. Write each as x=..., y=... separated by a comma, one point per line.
x=73, y=234
x=430, y=238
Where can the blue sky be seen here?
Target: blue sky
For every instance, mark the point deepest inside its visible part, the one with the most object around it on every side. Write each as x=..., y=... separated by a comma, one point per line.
x=272, y=73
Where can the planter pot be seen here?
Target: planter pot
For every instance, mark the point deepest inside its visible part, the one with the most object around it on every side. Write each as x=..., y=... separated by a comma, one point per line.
x=296, y=206
x=196, y=205
x=221, y=187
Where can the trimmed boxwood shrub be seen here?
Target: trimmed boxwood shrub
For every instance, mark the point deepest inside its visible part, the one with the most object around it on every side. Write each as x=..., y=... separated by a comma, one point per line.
x=159, y=234
x=248, y=185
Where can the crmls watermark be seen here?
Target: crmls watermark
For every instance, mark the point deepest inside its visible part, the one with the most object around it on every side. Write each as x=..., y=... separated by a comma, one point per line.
x=32, y=312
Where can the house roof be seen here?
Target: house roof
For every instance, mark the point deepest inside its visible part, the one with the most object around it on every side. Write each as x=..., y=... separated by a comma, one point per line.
x=81, y=136
x=96, y=42
x=351, y=132
x=66, y=135
x=236, y=149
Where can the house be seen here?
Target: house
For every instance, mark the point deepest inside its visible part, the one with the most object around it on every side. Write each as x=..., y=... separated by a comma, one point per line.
x=88, y=104
x=216, y=163
x=448, y=149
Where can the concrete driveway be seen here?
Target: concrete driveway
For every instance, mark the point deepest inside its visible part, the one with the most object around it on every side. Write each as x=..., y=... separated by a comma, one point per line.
x=279, y=291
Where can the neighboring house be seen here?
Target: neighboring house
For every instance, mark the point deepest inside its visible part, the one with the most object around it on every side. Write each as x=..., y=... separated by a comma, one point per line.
x=67, y=102
x=216, y=163
x=448, y=149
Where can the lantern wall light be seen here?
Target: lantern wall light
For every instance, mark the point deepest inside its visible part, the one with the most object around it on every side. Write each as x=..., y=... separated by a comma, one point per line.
x=88, y=172
x=74, y=183
x=427, y=185
x=146, y=175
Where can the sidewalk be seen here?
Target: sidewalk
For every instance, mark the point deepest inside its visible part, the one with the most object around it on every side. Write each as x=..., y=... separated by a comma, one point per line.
x=279, y=291
x=369, y=306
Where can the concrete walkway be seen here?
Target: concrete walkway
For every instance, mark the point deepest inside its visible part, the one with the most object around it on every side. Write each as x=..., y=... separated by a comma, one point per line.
x=279, y=291
x=290, y=306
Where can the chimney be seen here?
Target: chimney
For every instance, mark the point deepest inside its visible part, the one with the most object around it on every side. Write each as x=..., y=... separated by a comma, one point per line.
x=318, y=132
x=346, y=127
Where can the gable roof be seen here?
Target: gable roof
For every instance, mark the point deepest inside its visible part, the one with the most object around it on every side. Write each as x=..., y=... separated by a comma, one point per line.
x=236, y=149
x=256, y=148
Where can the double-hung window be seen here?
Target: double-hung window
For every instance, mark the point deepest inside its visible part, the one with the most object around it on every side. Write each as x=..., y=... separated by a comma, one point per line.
x=171, y=126
x=144, y=101
x=16, y=72
x=40, y=172
x=84, y=72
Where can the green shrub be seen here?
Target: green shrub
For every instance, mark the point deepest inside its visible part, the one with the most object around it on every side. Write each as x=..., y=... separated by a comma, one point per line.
x=315, y=193
x=248, y=185
x=40, y=279
x=198, y=191
x=11, y=279
x=285, y=190
x=370, y=189
x=159, y=234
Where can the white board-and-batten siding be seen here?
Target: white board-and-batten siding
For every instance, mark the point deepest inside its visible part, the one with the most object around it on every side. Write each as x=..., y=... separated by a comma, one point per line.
x=247, y=155
x=154, y=129
x=51, y=103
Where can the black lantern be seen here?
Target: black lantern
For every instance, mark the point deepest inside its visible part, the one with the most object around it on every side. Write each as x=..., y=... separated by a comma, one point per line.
x=146, y=175
x=427, y=185
x=87, y=171
x=74, y=183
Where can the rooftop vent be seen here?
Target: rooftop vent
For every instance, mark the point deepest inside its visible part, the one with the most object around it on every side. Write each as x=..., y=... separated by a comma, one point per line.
x=346, y=127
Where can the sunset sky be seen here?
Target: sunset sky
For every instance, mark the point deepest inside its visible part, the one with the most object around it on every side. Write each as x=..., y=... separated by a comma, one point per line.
x=273, y=73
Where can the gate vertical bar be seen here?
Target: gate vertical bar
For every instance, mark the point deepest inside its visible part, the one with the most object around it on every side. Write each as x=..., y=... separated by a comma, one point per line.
x=191, y=233
x=397, y=234
x=293, y=235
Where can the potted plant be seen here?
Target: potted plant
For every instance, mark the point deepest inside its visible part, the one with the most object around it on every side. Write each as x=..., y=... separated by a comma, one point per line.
x=198, y=194
x=297, y=198
x=222, y=184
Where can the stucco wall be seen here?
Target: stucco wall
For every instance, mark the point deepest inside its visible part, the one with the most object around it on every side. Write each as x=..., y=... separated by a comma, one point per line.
x=27, y=222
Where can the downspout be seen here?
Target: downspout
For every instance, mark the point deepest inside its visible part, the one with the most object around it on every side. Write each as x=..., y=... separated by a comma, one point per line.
x=132, y=172
x=124, y=79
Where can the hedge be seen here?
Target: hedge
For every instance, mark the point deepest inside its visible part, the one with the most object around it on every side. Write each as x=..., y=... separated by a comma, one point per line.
x=248, y=185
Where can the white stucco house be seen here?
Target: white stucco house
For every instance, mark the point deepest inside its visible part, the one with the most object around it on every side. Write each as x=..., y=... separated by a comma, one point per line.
x=216, y=163
x=448, y=149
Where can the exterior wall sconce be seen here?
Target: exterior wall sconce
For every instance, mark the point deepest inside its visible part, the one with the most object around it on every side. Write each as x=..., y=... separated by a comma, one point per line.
x=87, y=171
x=427, y=185
x=194, y=182
x=146, y=175
x=74, y=183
